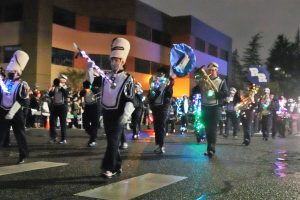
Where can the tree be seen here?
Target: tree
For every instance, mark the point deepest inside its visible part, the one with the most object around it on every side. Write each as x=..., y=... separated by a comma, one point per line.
x=75, y=78
x=281, y=65
x=238, y=74
x=296, y=54
x=280, y=61
x=251, y=53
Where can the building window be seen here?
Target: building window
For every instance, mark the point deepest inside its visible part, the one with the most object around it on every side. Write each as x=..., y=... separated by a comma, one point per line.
x=100, y=25
x=224, y=54
x=200, y=45
x=155, y=66
x=143, y=31
x=8, y=52
x=102, y=61
x=212, y=50
x=62, y=57
x=13, y=12
x=142, y=66
x=161, y=38
x=63, y=17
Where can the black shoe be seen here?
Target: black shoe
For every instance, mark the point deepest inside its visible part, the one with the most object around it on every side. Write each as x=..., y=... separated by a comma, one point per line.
x=246, y=142
x=119, y=171
x=21, y=160
x=209, y=153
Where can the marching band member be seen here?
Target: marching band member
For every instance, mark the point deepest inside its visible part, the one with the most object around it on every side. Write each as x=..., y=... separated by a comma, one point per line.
x=91, y=114
x=160, y=95
x=213, y=91
x=282, y=116
x=184, y=108
x=136, y=116
x=117, y=105
x=266, y=120
x=231, y=114
x=59, y=93
x=246, y=112
x=13, y=92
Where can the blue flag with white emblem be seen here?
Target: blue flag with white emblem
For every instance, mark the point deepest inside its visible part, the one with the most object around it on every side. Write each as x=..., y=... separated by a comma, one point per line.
x=258, y=75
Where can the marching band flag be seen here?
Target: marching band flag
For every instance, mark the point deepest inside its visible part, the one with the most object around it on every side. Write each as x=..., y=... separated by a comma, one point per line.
x=258, y=75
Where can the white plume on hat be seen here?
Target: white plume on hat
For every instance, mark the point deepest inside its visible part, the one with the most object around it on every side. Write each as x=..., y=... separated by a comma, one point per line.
x=232, y=89
x=120, y=48
x=213, y=64
x=18, y=62
x=62, y=76
x=267, y=90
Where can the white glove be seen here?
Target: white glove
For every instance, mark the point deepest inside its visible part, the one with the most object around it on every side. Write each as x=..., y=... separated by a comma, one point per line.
x=13, y=110
x=129, y=108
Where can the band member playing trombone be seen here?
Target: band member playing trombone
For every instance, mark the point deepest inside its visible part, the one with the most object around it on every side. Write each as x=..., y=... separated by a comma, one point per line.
x=213, y=91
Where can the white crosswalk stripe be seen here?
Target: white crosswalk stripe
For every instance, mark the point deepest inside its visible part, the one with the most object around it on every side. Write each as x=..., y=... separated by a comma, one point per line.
x=28, y=167
x=131, y=188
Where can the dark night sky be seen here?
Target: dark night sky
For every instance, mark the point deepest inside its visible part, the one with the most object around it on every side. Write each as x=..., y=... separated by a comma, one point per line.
x=240, y=19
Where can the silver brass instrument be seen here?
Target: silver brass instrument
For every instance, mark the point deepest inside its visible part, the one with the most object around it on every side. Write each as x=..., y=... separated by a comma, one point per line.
x=201, y=74
x=247, y=100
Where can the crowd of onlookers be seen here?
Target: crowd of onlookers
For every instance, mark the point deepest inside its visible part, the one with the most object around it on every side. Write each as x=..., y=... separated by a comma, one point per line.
x=284, y=114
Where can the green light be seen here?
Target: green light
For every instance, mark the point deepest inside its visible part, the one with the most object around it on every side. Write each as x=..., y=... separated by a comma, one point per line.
x=210, y=93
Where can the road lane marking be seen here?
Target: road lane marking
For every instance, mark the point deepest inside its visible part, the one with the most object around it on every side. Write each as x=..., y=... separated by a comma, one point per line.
x=28, y=167
x=131, y=188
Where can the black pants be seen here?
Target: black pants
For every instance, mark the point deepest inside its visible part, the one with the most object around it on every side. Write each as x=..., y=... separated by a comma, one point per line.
x=231, y=116
x=136, y=118
x=266, y=123
x=160, y=119
x=113, y=129
x=90, y=119
x=211, y=117
x=18, y=125
x=61, y=112
x=184, y=120
x=246, y=119
x=172, y=122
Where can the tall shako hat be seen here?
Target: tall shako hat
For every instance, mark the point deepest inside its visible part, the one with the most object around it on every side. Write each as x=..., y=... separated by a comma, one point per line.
x=213, y=65
x=18, y=62
x=120, y=48
x=62, y=76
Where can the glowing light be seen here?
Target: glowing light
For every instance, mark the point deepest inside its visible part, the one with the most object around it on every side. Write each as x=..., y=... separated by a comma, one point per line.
x=198, y=125
x=210, y=93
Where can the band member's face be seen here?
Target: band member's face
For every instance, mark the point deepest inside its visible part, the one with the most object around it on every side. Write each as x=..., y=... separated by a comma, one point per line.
x=213, y=72
x=116, y=64
x=62, y=80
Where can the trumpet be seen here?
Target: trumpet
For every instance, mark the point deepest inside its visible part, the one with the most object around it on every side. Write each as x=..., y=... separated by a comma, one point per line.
x=247, y=100
x=201, y=74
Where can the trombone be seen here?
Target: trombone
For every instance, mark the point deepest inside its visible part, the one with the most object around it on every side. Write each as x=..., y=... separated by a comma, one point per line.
x=201, y=74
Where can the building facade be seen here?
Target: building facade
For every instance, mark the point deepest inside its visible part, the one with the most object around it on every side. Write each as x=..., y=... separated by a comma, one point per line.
x=47, y=30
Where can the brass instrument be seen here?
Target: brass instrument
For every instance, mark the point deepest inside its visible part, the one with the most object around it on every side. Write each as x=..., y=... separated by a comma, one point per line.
x=243, y=105
x=201, y=73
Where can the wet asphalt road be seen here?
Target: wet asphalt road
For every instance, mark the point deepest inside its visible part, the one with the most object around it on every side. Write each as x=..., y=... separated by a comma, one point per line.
x=262, y=170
